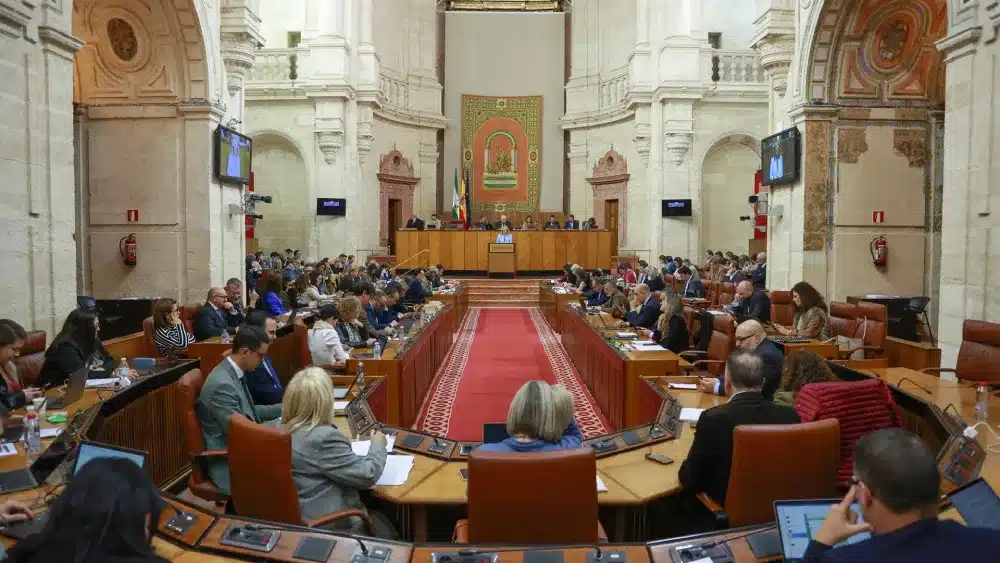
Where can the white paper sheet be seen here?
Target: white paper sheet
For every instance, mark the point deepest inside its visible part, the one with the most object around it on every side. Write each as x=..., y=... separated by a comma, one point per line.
x=397, y=470
x=601, y=487
x=690, y=414
x=361, y=447
x=647, y=347
x=625, y=334
x=50, y=432
x=693, y=386
x=340, y=405
x=7, y=449
x=103, y=382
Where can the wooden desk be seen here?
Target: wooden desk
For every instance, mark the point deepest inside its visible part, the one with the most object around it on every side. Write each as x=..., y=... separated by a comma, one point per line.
x=634, y=553
x=458, y=299
x=537, y=251
x=501, y=258
x=912, y=355
x=551, y=304
x=664, y=551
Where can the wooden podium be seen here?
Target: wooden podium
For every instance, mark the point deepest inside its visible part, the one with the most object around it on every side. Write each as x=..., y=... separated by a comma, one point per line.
x=501, y=258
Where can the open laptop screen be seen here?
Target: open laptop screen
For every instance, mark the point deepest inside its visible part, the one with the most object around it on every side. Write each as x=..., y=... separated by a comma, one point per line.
x=799, y=520
x=978, y=504
x=90, y=451
x=494, y=432
x=53, y=456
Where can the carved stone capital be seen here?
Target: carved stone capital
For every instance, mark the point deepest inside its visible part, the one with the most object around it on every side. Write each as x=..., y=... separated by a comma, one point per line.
x=578, y=154
x=330, y=143
x=776, y=53
x=428, y=153
x=366, y=139
x=642, y=138
x=677, y=146
x=238, y=49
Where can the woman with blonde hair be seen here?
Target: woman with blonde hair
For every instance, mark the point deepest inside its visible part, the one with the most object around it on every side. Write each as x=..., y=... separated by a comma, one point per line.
x=671, y=328
x=539, y=419
x=328, y=474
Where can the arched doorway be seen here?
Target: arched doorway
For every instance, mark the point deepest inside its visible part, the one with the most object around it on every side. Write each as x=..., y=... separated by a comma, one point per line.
x=396, y=184
x=727, y=180
x=280, y=171
x=145, y=95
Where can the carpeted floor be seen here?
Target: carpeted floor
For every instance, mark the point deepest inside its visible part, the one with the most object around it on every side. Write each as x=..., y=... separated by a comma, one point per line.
x=497, y=351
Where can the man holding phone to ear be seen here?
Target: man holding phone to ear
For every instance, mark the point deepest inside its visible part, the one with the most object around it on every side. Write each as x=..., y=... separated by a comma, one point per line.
x=897, y=486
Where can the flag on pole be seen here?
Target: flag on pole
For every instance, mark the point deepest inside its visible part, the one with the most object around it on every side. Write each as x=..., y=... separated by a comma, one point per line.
x=467, y=192
x=456, y=206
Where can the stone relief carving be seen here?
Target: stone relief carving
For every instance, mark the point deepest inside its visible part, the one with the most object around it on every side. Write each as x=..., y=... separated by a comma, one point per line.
x=643, y=141
x=330, y=143
x=122, y=39
x=891, y=39
x=816, y=165
x=395, y=181
x=677, y=146
x=852, y=142
x=238, y=55
x=911, y=143
x=609, y=181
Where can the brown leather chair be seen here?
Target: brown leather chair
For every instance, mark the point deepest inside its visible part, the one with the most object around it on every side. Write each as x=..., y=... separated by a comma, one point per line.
x=29, y=367
x=777, y=462
x=188, y=313
x=979, y=355
x=727, y=293
x=871, y=328
x=34, y=342
x=259, y=455
x=712, y=293
x=720, y=346
x=147, y=331
x=782, y=308
x=843, y=319
x=189, y=387
x=531, y=499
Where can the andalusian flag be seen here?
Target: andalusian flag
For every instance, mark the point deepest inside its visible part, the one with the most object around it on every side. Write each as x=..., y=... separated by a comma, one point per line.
x=456, y=206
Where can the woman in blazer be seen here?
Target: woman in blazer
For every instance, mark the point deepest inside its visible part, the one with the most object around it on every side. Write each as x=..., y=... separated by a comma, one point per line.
x=169, y=333
x=324, y=342
x=78, y=345
x=272, y=296
x=328, y=474
x=349, y=329
x=671, y=328
x=13, y=393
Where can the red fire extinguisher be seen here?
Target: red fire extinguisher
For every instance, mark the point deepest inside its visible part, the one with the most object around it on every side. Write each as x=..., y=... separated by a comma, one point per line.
x=880, y=250
x=127, y=248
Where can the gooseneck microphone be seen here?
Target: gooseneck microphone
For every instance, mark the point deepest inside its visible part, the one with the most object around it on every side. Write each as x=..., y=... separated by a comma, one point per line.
x=917, y=385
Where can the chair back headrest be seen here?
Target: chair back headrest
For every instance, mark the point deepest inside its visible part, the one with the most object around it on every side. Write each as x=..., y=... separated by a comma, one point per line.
x=979, y=356
x=873, y=312
x=554, y=500
x=34, y=342
x=258, y=455
x=843, y=310
x=780, y=462
x=781, y=297
x=189, y=387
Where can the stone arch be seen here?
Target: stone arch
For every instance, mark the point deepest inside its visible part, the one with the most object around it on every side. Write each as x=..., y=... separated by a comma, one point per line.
x=733, y=137
x=727, y=166
x=144, y=51
x=264, y=133
x=280, y=170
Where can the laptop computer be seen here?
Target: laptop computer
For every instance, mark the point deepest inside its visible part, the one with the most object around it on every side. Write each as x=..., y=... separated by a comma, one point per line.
x=75, y=385
x=494, y=432
x=799, y=520
x=978, y=504
x=47, y=462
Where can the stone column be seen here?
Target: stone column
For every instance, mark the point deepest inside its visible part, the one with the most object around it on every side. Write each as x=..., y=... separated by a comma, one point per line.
x=425, y=196
x=776, y=59
x=581, y=199
x=368, y=65
x=240, y=39
x=677, y=236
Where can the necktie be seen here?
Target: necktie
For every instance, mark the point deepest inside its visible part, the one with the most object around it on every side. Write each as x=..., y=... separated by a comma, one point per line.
x=246, y=392
x=274, y=377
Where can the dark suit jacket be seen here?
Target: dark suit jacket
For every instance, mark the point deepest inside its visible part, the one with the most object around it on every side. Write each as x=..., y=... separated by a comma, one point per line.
x=677, y=339
x=597, y=299
x=757, y=306
x=759, y=277
x=484, y=226
x=574, y=224
x=68, y=357
x=415, y=293
x=415, y=224
x=926, y=541
x=237, y=316
x=551, y=225
x=706, y=469
x=694, y=288
x=647, y=315
x=656, y=284
x=264, y=389
x=210, y=322
x=773, y=360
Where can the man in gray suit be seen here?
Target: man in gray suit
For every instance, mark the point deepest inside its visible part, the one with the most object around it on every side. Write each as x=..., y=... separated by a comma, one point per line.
x=225, y=392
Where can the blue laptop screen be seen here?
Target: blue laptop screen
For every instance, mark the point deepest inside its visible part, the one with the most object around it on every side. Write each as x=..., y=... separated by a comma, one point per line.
x=978, y=505
x=88, y=452
x=798, y=523
x=494, y=432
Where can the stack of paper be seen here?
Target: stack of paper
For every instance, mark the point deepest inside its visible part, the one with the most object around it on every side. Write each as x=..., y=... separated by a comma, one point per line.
x=690, y=414
x=682, y=385
x=361, y=447
x=397, y=470
x=340, y=405
x=103, y=382
x=647, y=346
x=601, y=487
x=625, y=334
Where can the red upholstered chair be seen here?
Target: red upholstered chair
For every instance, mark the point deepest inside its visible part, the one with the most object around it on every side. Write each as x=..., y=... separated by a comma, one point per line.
x=843, y=319
x=782, y=308
x=189, y=387
x=979, y=356
x=29, y=367
x=34, y=342
x=720, y=346
x=871, y=328
x=861, y=407
x=258, y=455
x=530, y=499
x=727, y=293
x=188, y=313
x=147, y=331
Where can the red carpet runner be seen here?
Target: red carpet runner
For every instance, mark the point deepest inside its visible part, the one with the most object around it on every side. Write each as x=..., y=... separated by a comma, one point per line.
x=497, y=351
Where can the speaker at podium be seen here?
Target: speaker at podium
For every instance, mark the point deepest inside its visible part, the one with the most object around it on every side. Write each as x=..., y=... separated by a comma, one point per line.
x=501, y=255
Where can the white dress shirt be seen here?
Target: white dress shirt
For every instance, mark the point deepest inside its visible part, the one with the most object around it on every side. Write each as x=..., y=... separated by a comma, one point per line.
x=324, y=345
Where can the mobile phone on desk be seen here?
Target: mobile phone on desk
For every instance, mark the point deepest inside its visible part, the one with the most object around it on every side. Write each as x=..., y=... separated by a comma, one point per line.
x=464, y=472
x=659, y=458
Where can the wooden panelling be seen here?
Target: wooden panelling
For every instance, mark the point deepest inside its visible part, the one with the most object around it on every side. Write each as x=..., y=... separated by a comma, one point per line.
x=535, y=250
x=130, y=346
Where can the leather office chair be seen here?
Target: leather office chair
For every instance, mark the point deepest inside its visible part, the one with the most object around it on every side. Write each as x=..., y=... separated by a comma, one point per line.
x=188, y=313
x=531, y=499
x=777, y=462
x=147, y=331
x=871, y=328
x=34, y=342
x=782, y=308
x=843, y=319
x=720, y=346
x=258, y=455
x=189, y=387
x=979, y=355
x=29, y=367
x=712, y=293
x=727, y=293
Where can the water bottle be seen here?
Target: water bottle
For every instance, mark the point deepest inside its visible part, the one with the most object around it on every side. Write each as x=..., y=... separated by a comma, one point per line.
x=982, y=402
x=377, y=350
x=225, y=337
x=32, y=435
x=123, y=368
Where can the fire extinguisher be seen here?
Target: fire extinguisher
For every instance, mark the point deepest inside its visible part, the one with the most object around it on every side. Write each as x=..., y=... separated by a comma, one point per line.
x=127, y=248
x=880, y=250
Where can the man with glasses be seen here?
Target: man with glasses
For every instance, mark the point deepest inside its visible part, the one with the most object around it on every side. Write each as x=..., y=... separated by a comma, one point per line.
x=234, y=294
x=225, y=392
x=212, y=319
x=750, y=337
x=265, y=387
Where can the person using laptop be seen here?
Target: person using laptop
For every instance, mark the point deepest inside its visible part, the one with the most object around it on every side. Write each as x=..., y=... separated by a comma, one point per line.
x=540, y=419
x=13, y=394
x=897, y=487
x=225, y=392
x=108, y=513
x=78, y=345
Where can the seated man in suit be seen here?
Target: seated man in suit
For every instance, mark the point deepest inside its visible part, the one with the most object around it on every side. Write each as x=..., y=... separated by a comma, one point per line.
x=750, y=303
x=551, y=223
x=415, y=223
x=615, y=298
x=572, y=224
x=416, y=292
x=435, y=222
x=693, y=288
x=649, y=310
x=234, y=294
x=898, y=488
x=706, y=469
x=225, y=392
x=212, y=319
x=265, y=387
x=483, y=224
x=599, y=298
x=751, y=338
x=365, y=292
x=503, y=222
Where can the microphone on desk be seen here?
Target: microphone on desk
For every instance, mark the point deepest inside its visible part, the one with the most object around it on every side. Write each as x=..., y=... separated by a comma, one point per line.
x=919, y=386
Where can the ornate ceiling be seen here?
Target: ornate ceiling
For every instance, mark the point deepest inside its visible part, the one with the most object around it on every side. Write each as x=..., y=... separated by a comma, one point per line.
x=879, y=51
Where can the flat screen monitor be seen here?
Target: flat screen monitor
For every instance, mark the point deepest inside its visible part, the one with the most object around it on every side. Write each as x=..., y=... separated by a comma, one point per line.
x=331, y=206
x=233, y=154
x=978, y=504
x=779, y=158
x=677, y=208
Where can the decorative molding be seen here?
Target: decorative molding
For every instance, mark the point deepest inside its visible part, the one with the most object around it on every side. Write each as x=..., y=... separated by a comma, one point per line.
x=578, y=154
x=238, y=56
x=428, y=153
x=642, y=139
x=330, y=143
x=816, y=178
x=911, y=143
x=610, y=182
x=15, y=19
x=677, y=146
x=505, y=5
x=776, y=52
x=366, y=133
x=395, y=181
x=59, y=43
x=852, y=142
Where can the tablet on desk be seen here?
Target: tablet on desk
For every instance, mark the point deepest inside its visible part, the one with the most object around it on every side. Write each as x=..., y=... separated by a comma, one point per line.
x=799, y=520
x=978, y=504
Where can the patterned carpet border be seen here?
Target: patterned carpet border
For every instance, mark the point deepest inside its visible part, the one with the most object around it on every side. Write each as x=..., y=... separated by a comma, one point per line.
x=587, y=416
x=435, y=413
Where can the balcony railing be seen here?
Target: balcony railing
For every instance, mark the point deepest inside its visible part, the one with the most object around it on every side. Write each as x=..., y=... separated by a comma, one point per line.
x=395, y=90
x=613, y=88
x=277, y=65
x=737, y=67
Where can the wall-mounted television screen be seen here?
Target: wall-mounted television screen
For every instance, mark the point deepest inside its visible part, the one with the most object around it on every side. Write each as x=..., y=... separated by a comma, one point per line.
x=233, y=153
x=677, y=208
x=336, y=207
x=779, y=157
